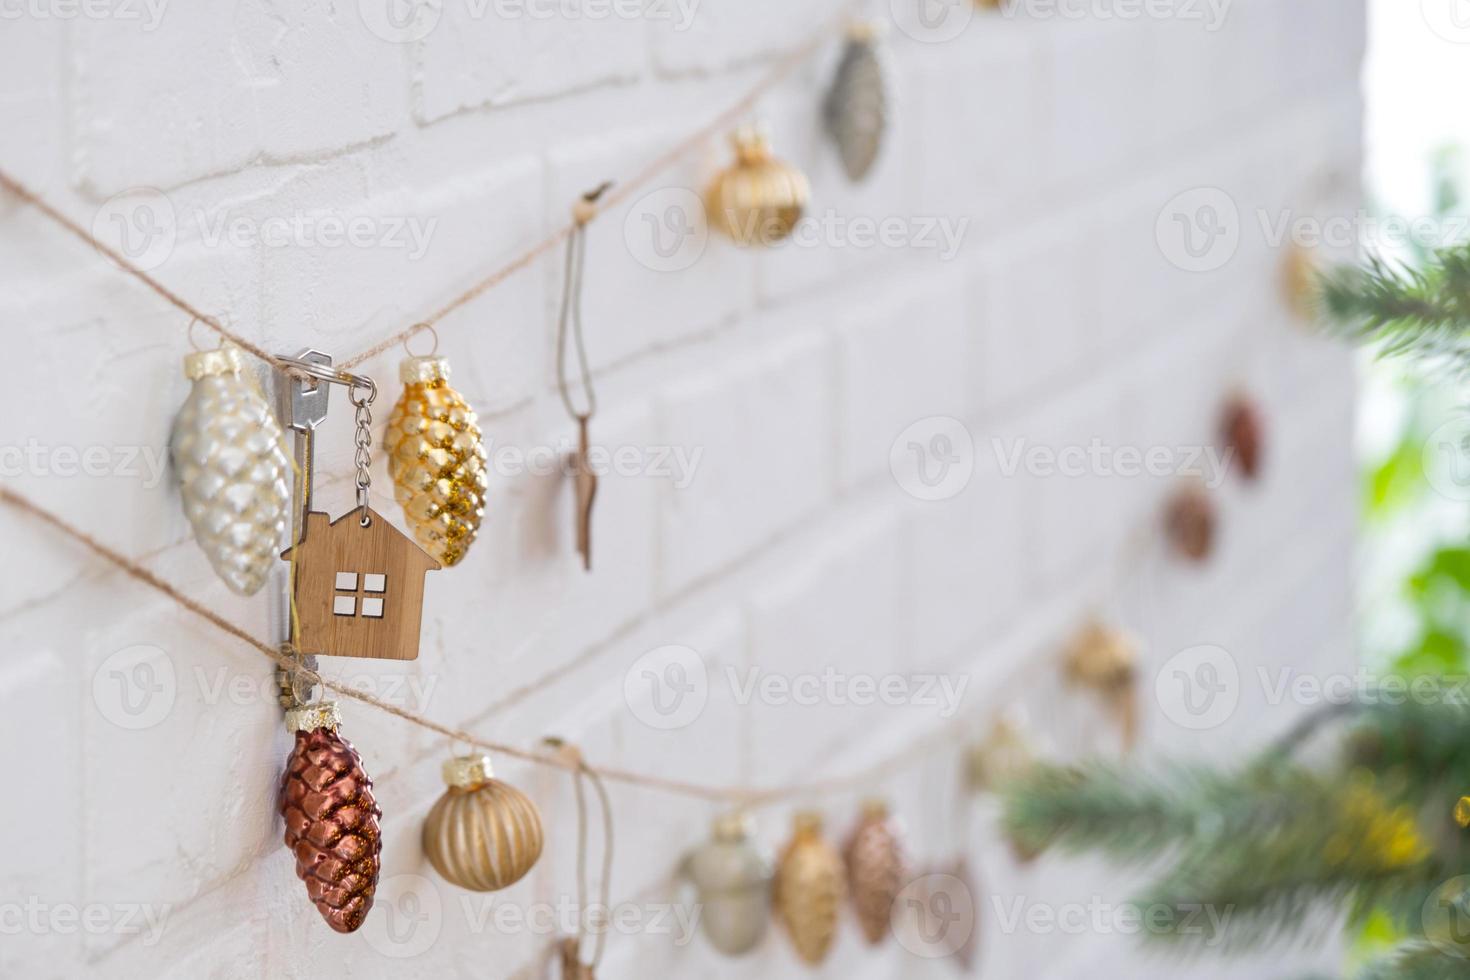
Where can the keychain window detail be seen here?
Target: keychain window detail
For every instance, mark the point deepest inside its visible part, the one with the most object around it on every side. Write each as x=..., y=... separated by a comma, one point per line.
x=349, y=603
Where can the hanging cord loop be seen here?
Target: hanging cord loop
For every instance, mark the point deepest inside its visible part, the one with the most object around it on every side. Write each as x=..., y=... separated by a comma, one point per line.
x=571, y=307
x=581, y=774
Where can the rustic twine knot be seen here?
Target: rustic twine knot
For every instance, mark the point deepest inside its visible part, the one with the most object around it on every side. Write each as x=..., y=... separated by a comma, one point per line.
x=586, y=207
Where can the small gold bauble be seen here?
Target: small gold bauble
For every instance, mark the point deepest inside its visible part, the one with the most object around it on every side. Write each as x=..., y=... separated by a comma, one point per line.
x=758, y=200
x=482, y=834
x=810, y=885
x=1299, y=285
x=437, y=460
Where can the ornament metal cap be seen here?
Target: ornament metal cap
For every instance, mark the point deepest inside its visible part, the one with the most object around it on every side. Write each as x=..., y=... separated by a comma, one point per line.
x=423, y=370
x=875, y=808
x=310, y=717
x=213, y=363
x=732, y=827
x=468, y=771
x=752, y=142
x=807, y=822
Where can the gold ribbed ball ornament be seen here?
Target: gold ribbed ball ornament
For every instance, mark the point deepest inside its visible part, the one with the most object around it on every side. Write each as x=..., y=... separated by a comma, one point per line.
x=810, y=885
x=482, y=834
x=759, y=199
x=436, y=458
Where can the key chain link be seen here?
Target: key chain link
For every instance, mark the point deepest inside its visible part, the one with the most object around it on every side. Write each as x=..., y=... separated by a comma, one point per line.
x=363, y=440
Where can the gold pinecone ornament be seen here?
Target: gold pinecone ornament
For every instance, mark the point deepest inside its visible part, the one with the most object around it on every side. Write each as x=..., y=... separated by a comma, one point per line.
x=331, y=818
x=436, y=458
x=233, y=470
x=759, y=199
x=810, y=885
x=877, y=869
x=482, y=834
x=856, y=108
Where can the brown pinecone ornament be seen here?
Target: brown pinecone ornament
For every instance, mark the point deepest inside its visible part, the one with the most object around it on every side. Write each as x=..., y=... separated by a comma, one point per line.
x=1241, y=430
x=810, y=885
x=1190, y=523
x=331, y=818
x=877, y=869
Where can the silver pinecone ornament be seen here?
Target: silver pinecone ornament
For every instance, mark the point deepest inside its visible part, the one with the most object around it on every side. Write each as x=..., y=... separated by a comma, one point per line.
x=856, y=109
x=229, y=456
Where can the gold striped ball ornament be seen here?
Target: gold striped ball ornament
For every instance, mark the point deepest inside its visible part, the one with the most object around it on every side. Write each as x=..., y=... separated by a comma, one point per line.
x=482, y=834
x=759, y=199
x=436, y=458
x=810, y=886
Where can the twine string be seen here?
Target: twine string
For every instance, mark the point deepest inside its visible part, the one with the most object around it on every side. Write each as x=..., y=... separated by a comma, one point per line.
x=286, y=657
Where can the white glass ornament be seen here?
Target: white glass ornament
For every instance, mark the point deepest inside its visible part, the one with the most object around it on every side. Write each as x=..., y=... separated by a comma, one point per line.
x=233, y=471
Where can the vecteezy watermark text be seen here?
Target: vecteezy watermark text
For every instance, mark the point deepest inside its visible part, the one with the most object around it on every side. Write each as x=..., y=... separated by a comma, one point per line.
x=39, y=918
x=34, y=458
x=148, y=14
x=1097, y=458
x=1099, y=917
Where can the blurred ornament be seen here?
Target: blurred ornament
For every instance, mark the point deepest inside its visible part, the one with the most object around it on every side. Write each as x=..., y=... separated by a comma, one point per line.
x=809, y=888
x=331, y=817
x=1003, y=755
x=1241, y=429
x=234, y=473
x=1105, y=660
x=732, y=874
x=1189, y=523
x=759, y=199
x=1462, y=811
x=436, y=459
x=877, y=869
x=482, y=834
x=1300, y=271
x=856, y=108
x=947, y=913
x=572, y=967
x=584, y=478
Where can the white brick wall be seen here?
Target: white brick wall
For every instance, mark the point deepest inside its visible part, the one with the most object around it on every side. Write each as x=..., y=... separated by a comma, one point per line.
x=793, y=549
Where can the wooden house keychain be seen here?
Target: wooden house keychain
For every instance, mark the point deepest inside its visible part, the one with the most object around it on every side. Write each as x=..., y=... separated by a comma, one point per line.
x=357, y=581
x=584, y=479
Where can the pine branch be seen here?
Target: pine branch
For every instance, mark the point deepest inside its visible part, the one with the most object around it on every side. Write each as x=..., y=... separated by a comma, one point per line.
x=1418, y=961
x=1422, y=313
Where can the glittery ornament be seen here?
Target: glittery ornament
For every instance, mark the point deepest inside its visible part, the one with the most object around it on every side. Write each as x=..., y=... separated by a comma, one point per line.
x=1299, y=286
x=233, y=470
x=759, y=199
x=856, y=108
x=1002, y=756
x=1106, y=660
x=733, y=875
x=482, y=834
x=1242, y=431
x=1190, y=522
x=877, y=869
x=331, y=818
x=437, y=460
x=809, y=888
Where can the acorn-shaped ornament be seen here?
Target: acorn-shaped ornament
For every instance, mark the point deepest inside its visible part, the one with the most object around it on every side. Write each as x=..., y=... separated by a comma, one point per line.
x=856, y=108
x=877, y=869
x=331, y=817
x=482, y=834
x=437, y=460
x=809, y=888
x=233, y=470
x=759, y=199
x=732, y=874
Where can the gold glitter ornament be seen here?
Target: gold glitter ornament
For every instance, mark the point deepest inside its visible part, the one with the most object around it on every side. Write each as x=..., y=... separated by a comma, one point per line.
x=437, y=460
x=233, y=471
x=810, y=885
x=759, y=199
x=482, y=834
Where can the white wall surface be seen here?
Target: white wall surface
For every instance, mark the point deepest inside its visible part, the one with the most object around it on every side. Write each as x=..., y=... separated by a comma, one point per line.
x=1060, y=320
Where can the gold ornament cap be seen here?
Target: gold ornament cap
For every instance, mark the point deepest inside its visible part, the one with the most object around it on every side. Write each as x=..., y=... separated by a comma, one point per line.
x=807, y=822
x=213, y=363
x=875, y=808
x=468, y=771
x=310, y=717
x=731, y=828
x=752, y=143
x=423, y=370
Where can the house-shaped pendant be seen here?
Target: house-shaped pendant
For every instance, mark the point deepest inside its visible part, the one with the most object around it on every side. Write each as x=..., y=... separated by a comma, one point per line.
x=359, y=587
